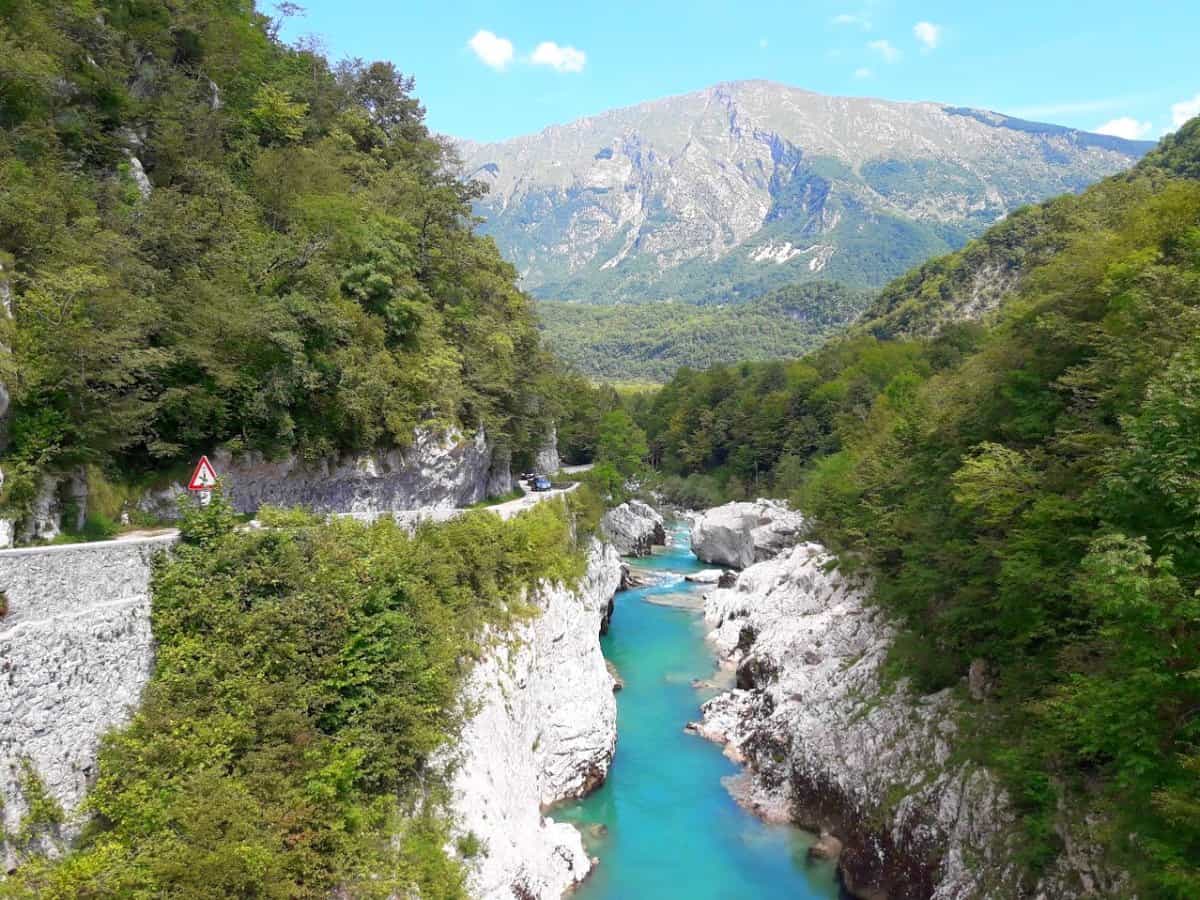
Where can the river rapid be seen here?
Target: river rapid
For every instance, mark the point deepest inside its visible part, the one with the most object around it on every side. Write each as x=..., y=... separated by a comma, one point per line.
x=663, y=825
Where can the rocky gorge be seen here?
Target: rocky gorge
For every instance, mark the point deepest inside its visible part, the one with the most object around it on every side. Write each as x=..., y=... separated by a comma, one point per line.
x=829, y=744
x=544, y=731
x=77, y=650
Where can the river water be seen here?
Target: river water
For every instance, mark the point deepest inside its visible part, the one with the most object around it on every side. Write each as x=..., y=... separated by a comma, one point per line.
x=663, y=825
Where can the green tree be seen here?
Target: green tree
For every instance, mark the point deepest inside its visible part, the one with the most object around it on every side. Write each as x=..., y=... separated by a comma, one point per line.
x=621, y=443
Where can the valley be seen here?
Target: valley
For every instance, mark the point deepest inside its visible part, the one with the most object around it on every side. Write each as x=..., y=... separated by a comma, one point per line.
x=860, y=552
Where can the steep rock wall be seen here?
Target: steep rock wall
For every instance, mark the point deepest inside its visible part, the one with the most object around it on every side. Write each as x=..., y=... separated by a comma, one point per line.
x=544, y=731
x=438, y=471
x=828, y=748
x=75, y=652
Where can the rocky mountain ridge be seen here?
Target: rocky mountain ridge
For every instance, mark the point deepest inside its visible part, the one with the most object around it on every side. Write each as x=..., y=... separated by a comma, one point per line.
x=725, y=192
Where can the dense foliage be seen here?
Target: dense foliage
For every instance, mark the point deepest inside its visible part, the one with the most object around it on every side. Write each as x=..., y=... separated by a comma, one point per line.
x=299, y=272
x=304, y=676
x=648, y=342
x=1027, y=496
x=969, y=283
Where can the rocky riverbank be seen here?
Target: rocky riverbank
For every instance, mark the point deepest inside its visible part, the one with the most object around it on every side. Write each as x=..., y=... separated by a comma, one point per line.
x=872, y=769
x=543, y=731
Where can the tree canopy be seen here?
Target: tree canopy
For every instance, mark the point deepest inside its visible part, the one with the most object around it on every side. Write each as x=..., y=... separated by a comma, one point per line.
x=212, y=238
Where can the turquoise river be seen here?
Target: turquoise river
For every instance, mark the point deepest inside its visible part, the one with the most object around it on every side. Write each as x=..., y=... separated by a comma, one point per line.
x=663, y=825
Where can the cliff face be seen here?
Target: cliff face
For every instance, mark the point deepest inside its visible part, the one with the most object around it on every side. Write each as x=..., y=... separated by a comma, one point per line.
x=438, y=471
x=544, y=730
x=827, y=747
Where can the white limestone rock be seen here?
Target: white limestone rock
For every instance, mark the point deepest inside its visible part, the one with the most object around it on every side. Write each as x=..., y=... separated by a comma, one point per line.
x=740, y=534
x=634, y=528
x=824, y=741
x=140, y=179
x=544, y=731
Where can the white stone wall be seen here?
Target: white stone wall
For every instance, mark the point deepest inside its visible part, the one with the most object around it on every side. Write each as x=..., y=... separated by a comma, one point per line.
x=75, y=653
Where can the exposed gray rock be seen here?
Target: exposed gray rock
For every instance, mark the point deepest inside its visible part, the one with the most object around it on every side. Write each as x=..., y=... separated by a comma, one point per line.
x=631, y=579
x=826, y=847
x=140, y=179
x=873, y=768
x=544, y=730
x=740, y=534
x=773, y=183
x=43, y=521
x=634, y=528
x=7, y=526
x=546, y=461
x=979, y=679
x=439, y=471
x=75, y=652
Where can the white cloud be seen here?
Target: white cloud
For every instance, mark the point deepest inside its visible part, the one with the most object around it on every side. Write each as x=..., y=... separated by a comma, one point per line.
x=561, y=59
x=863, y=72
x=928, y=34
x=1185, y=110
x=492, y=50
x=889, y=53
x=861, y=20
x=1126, y=127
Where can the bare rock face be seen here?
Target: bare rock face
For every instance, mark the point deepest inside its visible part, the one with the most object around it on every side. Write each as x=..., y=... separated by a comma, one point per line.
x=75, y=653
x=7, y=526
x=544, y=731
x=546, y=461
x=740, y=534
x=765, y=184
x=439, y=471
x=634, y=528
x=872, y=769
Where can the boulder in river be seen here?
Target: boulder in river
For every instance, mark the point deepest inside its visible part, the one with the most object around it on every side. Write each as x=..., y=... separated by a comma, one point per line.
x=634, y=528
x=741, y=534
x=706, y=576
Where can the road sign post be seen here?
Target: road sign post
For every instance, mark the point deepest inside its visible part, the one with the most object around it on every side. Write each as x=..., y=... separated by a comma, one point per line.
x=203, y=480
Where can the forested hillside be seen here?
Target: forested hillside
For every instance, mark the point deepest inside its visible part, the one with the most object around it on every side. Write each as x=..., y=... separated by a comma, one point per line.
x=212, y=238
x=1026, y=495
x=649, y=342
x=969, y=284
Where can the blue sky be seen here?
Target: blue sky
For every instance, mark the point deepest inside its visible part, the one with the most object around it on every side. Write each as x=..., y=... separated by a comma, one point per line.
x=493, y=70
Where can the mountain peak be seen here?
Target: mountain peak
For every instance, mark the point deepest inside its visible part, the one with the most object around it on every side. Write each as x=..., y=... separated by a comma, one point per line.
x=724, y=192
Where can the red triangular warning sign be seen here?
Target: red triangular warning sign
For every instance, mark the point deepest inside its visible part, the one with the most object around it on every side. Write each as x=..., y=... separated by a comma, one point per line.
x=205, y=476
